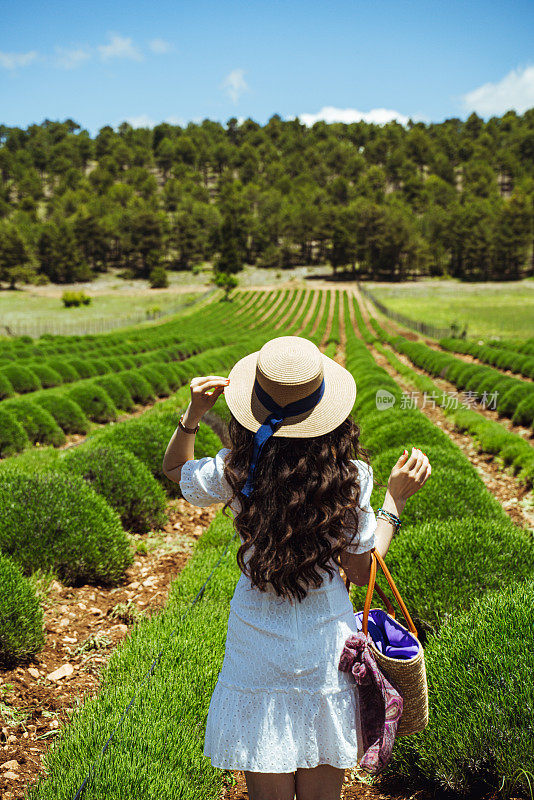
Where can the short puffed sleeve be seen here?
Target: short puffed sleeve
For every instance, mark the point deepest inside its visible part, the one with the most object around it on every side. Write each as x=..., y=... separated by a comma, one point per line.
x=202, y=480
x=365, y=538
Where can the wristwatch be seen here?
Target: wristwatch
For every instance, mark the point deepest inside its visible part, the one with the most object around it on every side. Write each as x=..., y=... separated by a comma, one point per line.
x=185, y=428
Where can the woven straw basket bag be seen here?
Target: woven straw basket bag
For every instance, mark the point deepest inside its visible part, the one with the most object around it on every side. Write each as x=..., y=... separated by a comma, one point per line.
x=407, y=674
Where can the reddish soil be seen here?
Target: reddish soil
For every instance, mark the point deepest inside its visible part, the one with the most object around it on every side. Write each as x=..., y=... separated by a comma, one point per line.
x=83, y=626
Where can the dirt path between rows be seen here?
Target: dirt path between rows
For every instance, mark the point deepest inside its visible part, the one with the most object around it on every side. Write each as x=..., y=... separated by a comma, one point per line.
x=515, y=498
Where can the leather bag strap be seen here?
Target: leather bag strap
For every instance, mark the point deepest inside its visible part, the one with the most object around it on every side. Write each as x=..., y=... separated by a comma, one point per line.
x=385, y=598
x=376, y=557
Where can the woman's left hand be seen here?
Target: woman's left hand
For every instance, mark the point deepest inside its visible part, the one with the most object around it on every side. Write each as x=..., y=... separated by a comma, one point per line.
x=204, y=392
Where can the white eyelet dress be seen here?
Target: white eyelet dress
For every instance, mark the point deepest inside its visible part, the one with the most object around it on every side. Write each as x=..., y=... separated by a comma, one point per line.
x=280, y=701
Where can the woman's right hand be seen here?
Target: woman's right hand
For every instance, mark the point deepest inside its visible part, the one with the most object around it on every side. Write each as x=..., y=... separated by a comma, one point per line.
x=411, y=471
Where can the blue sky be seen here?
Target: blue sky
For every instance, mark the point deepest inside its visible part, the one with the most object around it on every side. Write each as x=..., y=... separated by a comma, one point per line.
x=102, y=63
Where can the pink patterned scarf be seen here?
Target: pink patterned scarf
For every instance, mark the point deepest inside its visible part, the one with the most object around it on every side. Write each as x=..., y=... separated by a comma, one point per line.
x=380, y=703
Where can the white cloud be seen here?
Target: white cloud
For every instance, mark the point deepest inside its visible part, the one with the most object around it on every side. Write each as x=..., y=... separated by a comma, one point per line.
x=144, y=121
x=160, y=46
x=176, y=121
x=235, y=84
x=141, y=121
x=513, y=92
x=69, y=58
x=14, y=60
x=377, y=116
x=119, y=47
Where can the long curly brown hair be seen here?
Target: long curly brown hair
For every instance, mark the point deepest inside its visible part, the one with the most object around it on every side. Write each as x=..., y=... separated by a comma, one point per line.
x=305, y=491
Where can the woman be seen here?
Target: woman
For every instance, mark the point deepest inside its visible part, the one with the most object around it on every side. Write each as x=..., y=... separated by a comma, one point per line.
x=282, y=711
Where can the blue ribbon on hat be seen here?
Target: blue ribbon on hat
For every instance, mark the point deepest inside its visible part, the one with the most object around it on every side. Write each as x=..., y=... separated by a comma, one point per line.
x=273, y=421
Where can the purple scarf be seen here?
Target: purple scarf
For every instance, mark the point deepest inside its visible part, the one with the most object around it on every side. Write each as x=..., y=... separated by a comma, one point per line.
x=380, y=703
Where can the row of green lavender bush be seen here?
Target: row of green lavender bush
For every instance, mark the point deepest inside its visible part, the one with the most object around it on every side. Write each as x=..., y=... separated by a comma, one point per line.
x=514, y=397
x=501, y=357
x=46, y=416
x=490, y=436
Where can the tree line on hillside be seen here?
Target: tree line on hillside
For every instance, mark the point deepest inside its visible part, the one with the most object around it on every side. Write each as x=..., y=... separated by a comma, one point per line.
x=383, y=202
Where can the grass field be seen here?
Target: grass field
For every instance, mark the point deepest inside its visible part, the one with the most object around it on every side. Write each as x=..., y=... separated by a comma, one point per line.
x=25, y=307
x=488, y=309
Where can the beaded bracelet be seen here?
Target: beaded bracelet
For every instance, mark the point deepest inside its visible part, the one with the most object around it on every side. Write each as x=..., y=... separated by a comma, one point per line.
x=393, y=518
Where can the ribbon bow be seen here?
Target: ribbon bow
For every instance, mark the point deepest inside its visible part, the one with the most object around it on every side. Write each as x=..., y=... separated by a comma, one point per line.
x=381, y=705
x=274, y=420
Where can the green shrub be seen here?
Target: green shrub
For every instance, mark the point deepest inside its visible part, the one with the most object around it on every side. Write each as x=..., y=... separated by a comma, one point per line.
x=156, y=379
x=158, y=278
x=476, y=379
x=481, y=701
x=509, y=400
x=68, y=414
x=67, y=372
x=524, y=413
x=170, y=375
x=117, y=391
x=21, y=378
x=126, y=362
x=94, y=401
x=75, y=299
x=495, y=385
x=147, y=438
x=47, y=375
x=404, y=428
x=39, y=424
x=13, y=437
x=51, y=520
x=115, y=363
x=180, y=688
x=465, y=494
x=21, y=615
x=83, y=367
x=123, y=480
x=424, y=559
x=6, y=387
x=99, y=365
x=138, y=386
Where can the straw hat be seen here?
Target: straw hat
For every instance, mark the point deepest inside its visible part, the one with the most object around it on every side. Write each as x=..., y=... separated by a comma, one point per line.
x=288, y=369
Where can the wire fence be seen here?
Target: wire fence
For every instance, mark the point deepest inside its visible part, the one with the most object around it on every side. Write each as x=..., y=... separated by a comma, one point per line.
x=37, y=326
x=434, y=331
